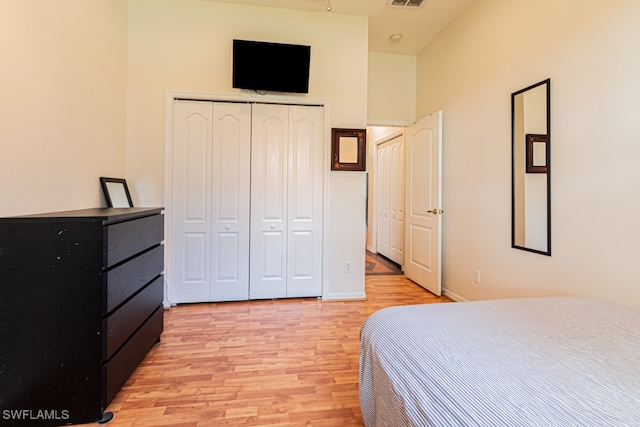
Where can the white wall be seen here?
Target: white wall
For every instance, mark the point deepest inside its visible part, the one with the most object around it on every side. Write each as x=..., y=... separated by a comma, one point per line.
x=185, y=45
x=590, y=50
x=391, y=89
x=63, y=109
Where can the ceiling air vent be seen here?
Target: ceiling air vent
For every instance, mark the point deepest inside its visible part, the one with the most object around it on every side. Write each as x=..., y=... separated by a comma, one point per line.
x=405, y=3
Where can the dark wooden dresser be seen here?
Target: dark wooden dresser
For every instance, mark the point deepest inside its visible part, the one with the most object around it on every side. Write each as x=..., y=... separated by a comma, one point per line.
x=80, y=306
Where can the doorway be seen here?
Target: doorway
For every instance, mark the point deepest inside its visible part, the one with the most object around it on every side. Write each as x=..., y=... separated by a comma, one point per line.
x=419, y=214
x=385, y=201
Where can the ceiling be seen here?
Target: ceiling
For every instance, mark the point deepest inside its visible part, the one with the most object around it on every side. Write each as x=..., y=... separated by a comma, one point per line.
x=417, y=25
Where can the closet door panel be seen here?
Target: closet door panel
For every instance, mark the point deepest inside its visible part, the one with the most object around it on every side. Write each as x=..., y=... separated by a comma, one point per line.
x=382, y=246
x=396, y=200
x=301, y=265
x=230, y=201
x=390, y=193
x=191, y=201
x=194, y=262
x=272, y=167
x=304, y=242
x=272, y=251
x=269, y=175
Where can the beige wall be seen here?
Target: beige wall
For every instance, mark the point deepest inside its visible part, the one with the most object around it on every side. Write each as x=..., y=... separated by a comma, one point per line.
x=391, y=89
x=63, y=109
x=185, y=45
x=84, y=87
x=589, y=49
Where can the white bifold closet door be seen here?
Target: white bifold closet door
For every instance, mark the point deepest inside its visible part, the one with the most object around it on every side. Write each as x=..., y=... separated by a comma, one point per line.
x=390, y=199
x=286, y=201
x=210, y=201
x=246, y=201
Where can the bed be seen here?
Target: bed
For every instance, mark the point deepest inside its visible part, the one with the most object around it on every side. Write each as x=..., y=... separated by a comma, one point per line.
x=559, y=361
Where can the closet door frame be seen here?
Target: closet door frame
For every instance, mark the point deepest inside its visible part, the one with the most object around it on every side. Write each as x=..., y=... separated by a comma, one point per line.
x=171, y=97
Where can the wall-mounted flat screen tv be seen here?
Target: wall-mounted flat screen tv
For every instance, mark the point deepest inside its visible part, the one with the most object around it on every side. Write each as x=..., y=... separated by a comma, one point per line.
x=271, y=66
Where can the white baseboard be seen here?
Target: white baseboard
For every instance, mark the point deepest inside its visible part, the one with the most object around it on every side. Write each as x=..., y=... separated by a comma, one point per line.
x=345, y=296
x=453, y=296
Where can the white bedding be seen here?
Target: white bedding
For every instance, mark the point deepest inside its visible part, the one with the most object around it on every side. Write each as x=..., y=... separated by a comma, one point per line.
x=514, y=362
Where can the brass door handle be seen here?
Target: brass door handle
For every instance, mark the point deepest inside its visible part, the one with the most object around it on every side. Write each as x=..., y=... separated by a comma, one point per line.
x=435, y=211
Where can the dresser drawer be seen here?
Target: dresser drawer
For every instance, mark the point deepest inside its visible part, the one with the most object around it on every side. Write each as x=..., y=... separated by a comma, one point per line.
x=124, y=240
x=116, y=372
x=119, y=326
x=126, y=279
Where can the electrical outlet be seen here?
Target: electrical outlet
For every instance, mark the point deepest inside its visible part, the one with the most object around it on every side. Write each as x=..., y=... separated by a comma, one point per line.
x=476, y=276
x=347, y=266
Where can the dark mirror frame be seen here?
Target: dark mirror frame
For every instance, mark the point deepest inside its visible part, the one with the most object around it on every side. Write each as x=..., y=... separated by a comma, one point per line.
x=547, y=167
x=107, y=194
x=531, y=140
x=361, y=160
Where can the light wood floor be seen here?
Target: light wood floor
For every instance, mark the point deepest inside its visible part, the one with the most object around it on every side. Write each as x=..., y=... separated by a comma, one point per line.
x=283, y=362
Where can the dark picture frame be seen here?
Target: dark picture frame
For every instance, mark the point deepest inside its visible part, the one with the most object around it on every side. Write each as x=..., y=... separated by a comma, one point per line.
x=348, y=149
x=533, y=142
x=116, y=192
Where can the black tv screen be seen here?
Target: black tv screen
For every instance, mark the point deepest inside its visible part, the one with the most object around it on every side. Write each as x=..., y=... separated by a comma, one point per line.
x=271, y=66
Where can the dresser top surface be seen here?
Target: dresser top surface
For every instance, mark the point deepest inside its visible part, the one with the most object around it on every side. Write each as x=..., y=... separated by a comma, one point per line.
x=95, y=214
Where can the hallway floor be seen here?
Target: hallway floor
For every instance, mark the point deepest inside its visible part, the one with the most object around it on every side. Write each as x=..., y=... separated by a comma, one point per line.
x=377, y=265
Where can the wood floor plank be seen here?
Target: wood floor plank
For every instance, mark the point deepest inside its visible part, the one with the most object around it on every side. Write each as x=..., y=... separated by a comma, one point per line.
x=283, y=363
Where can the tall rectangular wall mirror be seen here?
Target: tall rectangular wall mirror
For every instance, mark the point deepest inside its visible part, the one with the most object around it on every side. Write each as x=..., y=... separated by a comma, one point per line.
x=531, y=168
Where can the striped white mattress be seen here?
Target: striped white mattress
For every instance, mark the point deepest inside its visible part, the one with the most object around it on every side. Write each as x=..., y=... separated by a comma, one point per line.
x=515, y=362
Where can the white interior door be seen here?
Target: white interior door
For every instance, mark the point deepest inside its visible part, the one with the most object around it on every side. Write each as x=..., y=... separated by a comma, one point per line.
x=397, y=201
x=390, y=192
x=269, y=176
x=191, y=204
x=304, y=201
x=247, y=201
x=423, y=183
x=382, y=173
x=286, y=201
x=231, y=174
x=210, y=204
